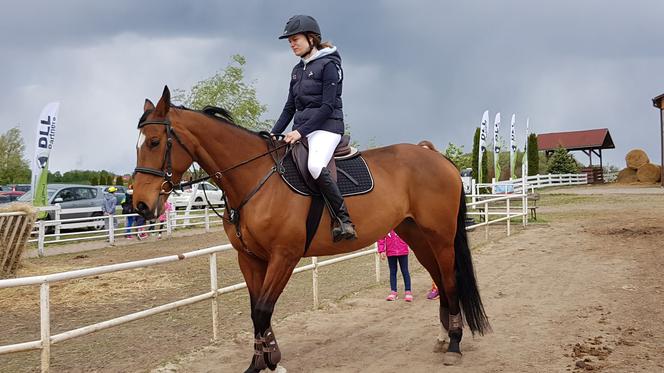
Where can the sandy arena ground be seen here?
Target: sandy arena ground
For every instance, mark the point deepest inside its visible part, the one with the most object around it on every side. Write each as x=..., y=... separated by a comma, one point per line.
x=579, y=290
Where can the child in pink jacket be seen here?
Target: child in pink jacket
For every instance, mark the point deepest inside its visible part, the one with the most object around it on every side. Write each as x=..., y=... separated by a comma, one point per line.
x=396, y=251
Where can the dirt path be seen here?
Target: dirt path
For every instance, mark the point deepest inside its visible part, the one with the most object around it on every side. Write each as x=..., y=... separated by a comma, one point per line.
x=583, y=292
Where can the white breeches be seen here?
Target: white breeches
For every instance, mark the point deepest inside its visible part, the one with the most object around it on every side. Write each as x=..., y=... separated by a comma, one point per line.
x=321, y=149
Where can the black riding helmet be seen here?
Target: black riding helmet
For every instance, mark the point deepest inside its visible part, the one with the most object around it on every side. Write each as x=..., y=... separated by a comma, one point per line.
x=300, y=24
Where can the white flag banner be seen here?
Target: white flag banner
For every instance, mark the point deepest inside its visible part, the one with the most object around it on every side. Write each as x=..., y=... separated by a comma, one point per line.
x=482, y=145
x=485, y=121
x=496, y=147
x=525, y=148
x=44, y=143
x=512, y=147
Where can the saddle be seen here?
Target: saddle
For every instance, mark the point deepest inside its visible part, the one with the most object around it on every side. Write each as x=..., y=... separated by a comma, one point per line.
x=347, y=168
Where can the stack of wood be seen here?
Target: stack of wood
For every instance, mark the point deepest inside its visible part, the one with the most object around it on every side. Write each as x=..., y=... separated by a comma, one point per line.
x=639, y=169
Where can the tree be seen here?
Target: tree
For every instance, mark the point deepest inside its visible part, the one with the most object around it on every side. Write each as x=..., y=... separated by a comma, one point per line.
x=119, y=181
x=94, y=180
x=228, y=90
x=533, y=155
x=455, y=154
x=561, y=162
x=13, y=167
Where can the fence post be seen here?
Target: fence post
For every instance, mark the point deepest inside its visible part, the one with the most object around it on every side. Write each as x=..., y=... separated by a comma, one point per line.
x=524, y=203
x=472, y=191
x=314, y=261
x=509, y=218
x=57, y=218
x=45, y=327
x=40, y=239
x=377, y=257
x=486, y=220
x=215, y=297
x=207, y=219
x=169, y=227
x=111, y=229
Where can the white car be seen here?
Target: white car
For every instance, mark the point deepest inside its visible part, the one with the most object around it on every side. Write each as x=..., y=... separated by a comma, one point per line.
x=180, y=199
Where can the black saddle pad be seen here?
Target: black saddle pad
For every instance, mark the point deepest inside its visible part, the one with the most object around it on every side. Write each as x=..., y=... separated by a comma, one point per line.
x=353, y=177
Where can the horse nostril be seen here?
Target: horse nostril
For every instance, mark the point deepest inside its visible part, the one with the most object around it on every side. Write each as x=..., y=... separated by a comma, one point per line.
x=142, y=207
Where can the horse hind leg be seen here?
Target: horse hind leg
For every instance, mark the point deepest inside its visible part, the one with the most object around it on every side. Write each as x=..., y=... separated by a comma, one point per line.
x=413, y=236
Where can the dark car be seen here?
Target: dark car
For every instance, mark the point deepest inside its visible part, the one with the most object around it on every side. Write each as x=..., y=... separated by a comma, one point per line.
x=17, y=188
x=119, y=193
x=6, y=197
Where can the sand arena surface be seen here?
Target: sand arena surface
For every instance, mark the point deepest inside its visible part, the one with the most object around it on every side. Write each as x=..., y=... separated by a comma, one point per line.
x=579, y=290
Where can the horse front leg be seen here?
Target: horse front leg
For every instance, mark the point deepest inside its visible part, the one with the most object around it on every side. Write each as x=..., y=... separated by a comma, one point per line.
x=279, y=271
x=254, y=269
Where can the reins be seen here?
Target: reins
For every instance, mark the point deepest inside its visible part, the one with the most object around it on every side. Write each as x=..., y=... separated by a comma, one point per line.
x=166, y=171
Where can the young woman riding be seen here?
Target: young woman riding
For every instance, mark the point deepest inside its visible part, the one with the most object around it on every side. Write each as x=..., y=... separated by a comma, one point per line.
x=314, y=105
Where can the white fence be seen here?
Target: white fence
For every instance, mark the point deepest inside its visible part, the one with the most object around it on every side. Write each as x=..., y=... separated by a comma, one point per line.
x=47, y=340
x=47, y=232
x=532, y=182
x=491, y=209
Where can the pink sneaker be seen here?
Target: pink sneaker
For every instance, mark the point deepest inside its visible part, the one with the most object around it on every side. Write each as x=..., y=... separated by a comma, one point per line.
x=433, y=294
x=393, y=296
x=408, y=297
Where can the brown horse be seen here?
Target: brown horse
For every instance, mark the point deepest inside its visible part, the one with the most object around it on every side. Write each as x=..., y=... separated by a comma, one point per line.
x=417, y=192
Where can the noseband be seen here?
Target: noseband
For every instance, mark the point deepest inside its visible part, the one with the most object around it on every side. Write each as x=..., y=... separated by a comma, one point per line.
x=166, y=171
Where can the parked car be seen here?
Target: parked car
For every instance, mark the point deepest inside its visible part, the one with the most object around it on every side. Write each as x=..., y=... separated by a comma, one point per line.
x=6, y=197
x=70, y=197
x=180, y=199
x=16, y=188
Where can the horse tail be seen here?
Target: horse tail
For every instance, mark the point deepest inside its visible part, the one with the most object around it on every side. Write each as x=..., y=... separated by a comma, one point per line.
x=427, y=144
x=469, y=295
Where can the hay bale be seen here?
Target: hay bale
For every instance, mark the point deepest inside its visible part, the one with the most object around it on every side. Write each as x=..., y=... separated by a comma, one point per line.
x=627, y=176
x=649, y=173
x=16, y=221
x=636, y=158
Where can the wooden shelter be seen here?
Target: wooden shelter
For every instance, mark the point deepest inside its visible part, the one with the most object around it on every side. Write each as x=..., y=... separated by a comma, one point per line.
x=588, y=141
x=658, y=102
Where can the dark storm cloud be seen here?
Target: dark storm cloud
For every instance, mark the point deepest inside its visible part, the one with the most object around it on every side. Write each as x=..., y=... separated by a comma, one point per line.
x=414, y=70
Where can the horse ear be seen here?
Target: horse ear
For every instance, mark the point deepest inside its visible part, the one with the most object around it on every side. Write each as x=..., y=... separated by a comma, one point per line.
x=148, y=105
x=164, y=103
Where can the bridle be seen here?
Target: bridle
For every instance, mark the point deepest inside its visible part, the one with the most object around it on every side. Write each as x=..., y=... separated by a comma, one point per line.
x=166, y=171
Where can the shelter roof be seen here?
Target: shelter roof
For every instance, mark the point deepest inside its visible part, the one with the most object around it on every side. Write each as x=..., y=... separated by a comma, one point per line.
x=576, y=140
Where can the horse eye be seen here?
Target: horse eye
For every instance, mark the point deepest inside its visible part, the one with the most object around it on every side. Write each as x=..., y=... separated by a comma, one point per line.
x=154, y=142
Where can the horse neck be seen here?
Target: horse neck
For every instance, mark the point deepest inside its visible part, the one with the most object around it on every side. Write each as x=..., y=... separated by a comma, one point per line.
x=223, y=145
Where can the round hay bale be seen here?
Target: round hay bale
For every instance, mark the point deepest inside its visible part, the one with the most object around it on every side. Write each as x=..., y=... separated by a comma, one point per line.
x=16, y=221
x=636, y=158
x=627, y=176
x=649, y=173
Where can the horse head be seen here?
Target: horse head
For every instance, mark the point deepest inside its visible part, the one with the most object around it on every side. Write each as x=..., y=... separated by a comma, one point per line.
x=161, y=156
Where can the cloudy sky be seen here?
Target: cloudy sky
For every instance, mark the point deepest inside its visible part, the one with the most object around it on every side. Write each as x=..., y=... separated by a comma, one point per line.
x=413, y=70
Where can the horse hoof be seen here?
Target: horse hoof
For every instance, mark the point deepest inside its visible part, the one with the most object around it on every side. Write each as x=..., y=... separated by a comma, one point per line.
x=440, y=346
x=452, y=358
x=280, y=369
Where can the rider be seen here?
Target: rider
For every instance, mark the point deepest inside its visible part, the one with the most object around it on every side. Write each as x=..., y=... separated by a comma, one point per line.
x=314, y=104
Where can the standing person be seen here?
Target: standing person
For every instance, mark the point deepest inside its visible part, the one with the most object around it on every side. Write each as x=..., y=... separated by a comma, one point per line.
x=168, y=207
x=127, y=209
x=314, y=105
x=108, y=207
x=396, y=251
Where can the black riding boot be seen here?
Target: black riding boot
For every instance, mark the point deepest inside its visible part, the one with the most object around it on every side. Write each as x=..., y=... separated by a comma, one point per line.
x=330, y=191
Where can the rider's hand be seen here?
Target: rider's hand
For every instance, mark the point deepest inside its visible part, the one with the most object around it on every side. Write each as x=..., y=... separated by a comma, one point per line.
x=292, y=136
x=383, y=256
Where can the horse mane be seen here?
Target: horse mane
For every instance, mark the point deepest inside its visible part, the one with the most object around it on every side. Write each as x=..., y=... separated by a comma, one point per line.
x=222, y=115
